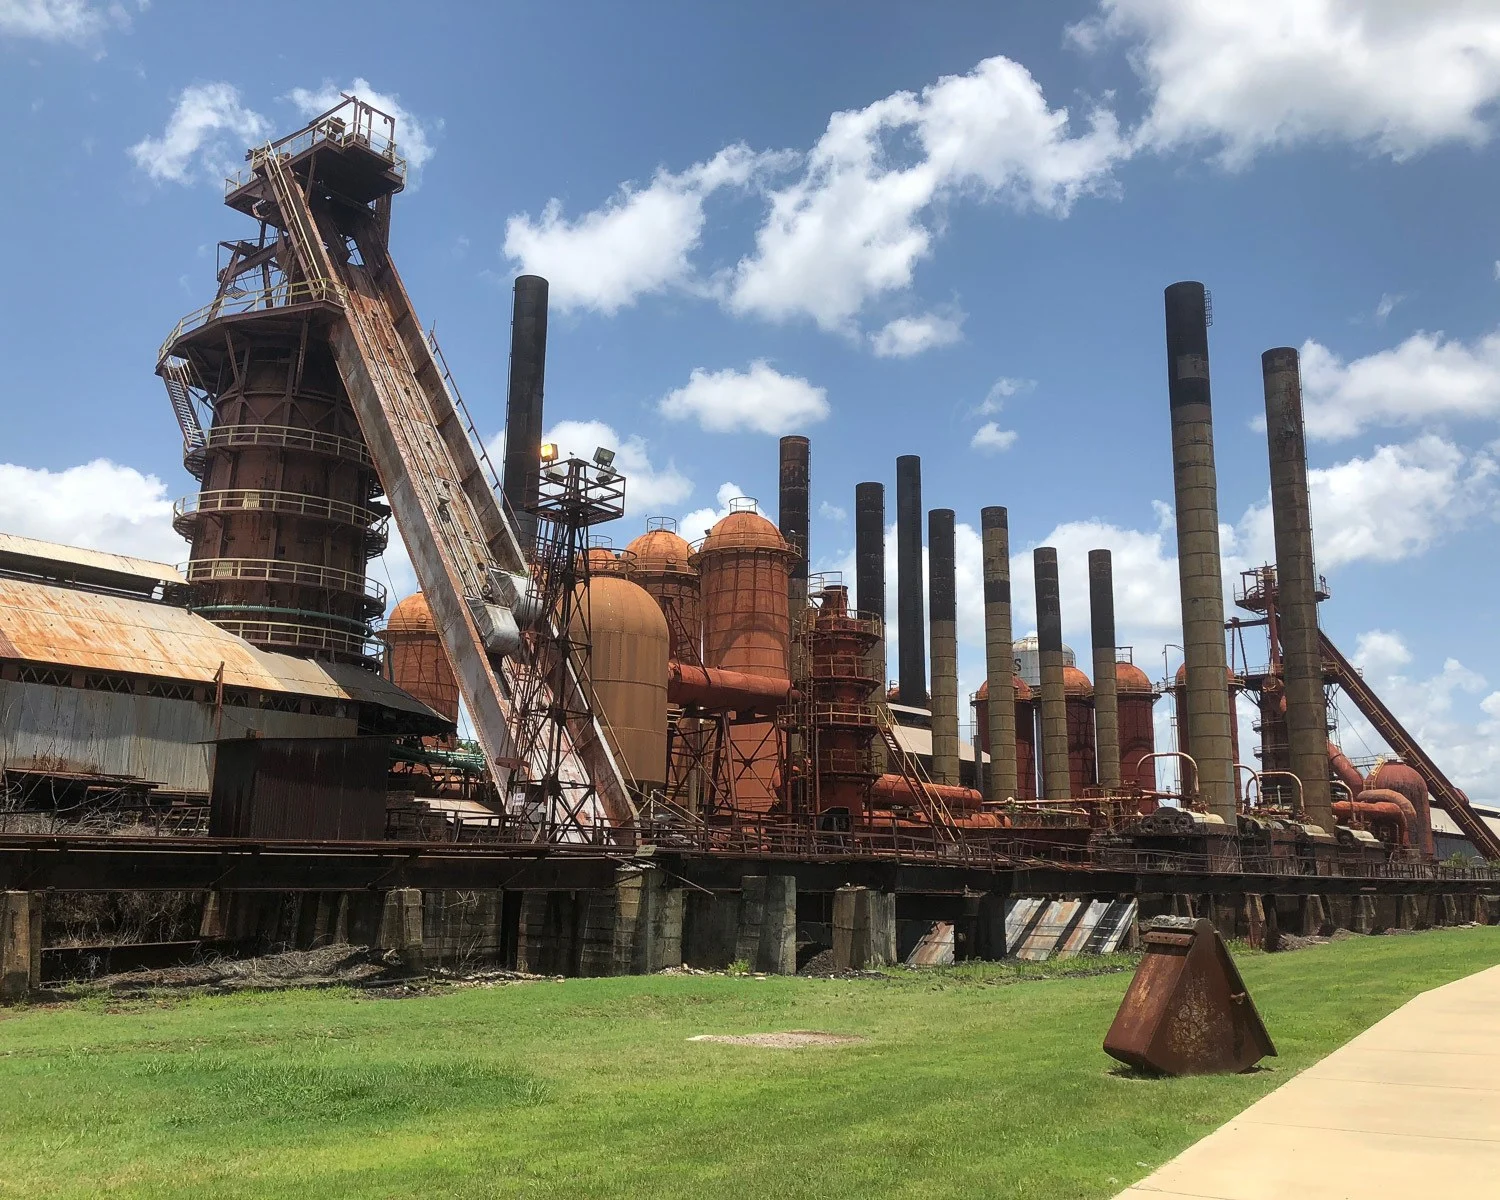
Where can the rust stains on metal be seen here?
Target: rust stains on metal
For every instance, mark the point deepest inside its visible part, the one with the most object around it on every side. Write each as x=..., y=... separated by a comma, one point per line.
x=1187, y=1011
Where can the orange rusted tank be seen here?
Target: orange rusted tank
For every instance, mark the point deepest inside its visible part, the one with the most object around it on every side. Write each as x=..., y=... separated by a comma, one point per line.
x=603, y=560
x=1083, y=768
x=419, y=664
x=662, y=568
x=628, y=667
x=1393, y=775
x=1135, y=701
x=743, y=566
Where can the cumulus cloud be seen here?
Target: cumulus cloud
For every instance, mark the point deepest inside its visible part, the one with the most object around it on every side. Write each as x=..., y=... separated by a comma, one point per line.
x=859, y=219
x=205, y=136
x=832, y=512
x=77, y=21
x=639, y=243
x=100, y=504
x=989, y=438
x=1427, y=377
x=1252, y=75
x=760, y=400
x=413, y=136
x=906, y=336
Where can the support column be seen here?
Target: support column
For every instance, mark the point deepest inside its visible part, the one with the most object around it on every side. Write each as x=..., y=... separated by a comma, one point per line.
x=864, y=929
x=1054, y=722
x=15, y=947
x=401, y=926
x=943, y=606
x=999, y=657
x=1106, y=709
x=1297, y=585
x=1199, y=568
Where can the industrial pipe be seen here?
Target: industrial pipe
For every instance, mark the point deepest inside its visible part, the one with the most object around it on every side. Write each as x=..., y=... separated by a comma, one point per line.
x=723, y=691
x=792, y=515
x=869, y=567
x=1296, y=582
x=522, y=472
x=1199, y=570
x=911, y=653
x=1187, y=758
x=1380, y=806
x=1106, y=710
x=999, y=656
x=890, y=791
x=942, y=600
x=1055, y=781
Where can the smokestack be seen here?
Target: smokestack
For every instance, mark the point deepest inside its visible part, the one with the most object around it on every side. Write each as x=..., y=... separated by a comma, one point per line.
x=1296, y=584
x=912, y=669
x=999, y=654
x=1202, y=582
x=523, y=405
x=796, y=480
x=1055, y=781
x=942, y=598
x=869, y=565
x=1106, y=709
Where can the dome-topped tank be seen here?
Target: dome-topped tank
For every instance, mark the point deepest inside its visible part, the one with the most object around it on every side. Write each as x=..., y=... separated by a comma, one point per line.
x=419, y=663
x=1135, y=699
x=1028, y=654
x=628, y=666
x=742, y=566
x=662, y=568
x=1393, y=775
x=1083, y=764
x=605, y=560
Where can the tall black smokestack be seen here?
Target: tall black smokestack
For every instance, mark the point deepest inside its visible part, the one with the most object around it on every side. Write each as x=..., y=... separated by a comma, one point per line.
x=523, y=405
x=1198, y=567
x=796, y=482
x=869, y=564
x=912, y=673
x=999, y=654
x=1106, y=701
x=942, y=593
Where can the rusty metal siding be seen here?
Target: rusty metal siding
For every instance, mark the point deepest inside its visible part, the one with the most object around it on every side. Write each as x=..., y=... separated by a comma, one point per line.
x=113, y=733
x=303, y=789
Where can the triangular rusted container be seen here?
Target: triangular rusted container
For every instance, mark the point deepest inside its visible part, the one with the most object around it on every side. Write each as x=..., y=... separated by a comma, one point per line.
x=1187, y=1011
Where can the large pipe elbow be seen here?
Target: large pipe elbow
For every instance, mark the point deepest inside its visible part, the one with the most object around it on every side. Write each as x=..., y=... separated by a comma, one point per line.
x=1381, y=807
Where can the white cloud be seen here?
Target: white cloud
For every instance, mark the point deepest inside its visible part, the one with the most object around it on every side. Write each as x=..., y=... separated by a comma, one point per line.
x=1497, y=269
x=205, y=137
x=101, y=505
x=859, y=219
x=637, y=244
x=761, y=400
x=74, y=21
x=906, y=336
x=413, y=137
x=1386, y=306
x=698, y=522
x=832, y=512
x=991, y=439
x=1393, y=76
x=1000, y=391
x=1427, y=377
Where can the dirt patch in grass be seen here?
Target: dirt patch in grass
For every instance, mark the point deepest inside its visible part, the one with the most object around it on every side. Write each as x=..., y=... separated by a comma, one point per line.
x=792, y=1039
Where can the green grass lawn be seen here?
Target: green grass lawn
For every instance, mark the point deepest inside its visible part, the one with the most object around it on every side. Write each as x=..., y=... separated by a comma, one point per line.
x=969, y=1083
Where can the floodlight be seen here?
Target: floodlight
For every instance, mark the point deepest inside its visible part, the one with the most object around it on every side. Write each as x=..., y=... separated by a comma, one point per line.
x=603, y=457
x=549, y=452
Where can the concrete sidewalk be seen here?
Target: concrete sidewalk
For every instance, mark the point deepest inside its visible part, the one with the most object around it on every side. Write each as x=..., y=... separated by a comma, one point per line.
x=1411, y=1107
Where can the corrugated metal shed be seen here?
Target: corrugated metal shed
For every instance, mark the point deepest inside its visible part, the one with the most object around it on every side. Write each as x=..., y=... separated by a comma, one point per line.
x=40, y=623
x=52, y=558
x=305, y=789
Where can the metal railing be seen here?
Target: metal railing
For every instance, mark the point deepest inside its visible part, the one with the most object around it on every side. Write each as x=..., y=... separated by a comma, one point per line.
x=300, y=636
x=287, y=437
x=289, y=503
x=275, y=570
x=278, y=295
x=327, y=129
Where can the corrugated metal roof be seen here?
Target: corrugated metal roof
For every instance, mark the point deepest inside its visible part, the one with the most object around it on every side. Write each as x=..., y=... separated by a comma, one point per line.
x=1444, y=824
x=13, y=545
x=919, y=742
x=56, y=625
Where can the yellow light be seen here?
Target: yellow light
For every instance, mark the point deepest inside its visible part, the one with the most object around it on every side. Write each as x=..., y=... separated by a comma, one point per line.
x=549, y=452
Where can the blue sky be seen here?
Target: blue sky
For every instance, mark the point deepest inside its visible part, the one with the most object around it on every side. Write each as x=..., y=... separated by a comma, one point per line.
x=939, y=229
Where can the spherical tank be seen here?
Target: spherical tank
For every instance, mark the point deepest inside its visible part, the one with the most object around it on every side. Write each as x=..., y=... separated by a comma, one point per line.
x=742, y=566
x=1135, y=701
x=1025, y=740
x=1083, y=769
x=663, y=569
x=419, y=664
x=604, y=561
x=1393, y=775
x=628, y=666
